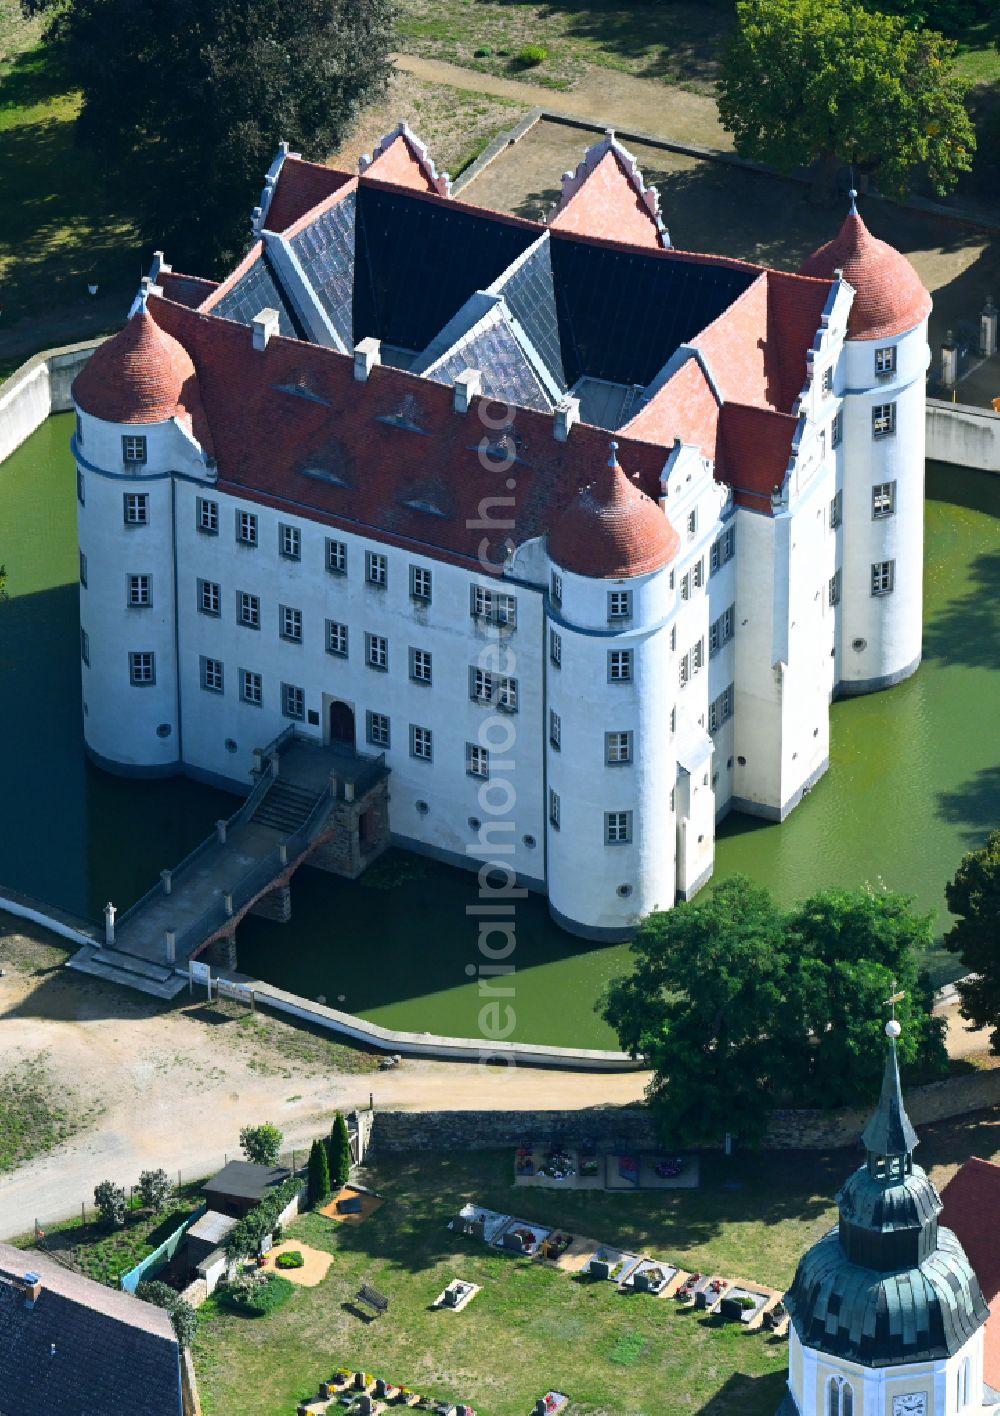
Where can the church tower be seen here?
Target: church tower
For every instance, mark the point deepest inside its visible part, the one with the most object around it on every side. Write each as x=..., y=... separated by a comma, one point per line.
x=886, y=1312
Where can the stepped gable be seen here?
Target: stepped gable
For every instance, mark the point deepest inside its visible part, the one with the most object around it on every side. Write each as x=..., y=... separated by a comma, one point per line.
x=971, y=1202
x=301, y=186
x=606, y=196
x=401, y=158
x=140, y=375
x=612, y=528
x=890, y=297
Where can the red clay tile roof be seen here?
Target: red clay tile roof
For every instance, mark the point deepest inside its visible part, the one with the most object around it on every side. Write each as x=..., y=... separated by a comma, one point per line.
x=972, y=1211
x=399, y=164
x=140, y=375
x=685, y=407
x=890, y=298
x=755, y=445
x=612, y=528
x=607, y=204
x=301, y=186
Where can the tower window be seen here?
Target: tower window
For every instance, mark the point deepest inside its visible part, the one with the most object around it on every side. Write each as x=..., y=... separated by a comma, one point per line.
x=836, y=510
x=837, y=428
x=555, y=589
x=142, y=667
x=883, y=500
x=620, y=665
x=885, y=361
x=136, y=508
x=833, y=588
x=617, y=828
x=555, y=648
x=840, y=1397
x=619, y=604
x=692, y=522
x=140, y=591
x=85, y=646
x=555, y=729
x=883, y=576
x=133, y=450
x=617, y=748
x=554, y=808
x=883, y=420
x=828, y=380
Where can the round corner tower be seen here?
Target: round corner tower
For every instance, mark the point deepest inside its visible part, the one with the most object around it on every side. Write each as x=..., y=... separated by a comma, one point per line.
x=610, y=680
x=881, y=382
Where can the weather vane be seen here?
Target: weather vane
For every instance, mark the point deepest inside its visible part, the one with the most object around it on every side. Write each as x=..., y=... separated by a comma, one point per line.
x=892, y=1027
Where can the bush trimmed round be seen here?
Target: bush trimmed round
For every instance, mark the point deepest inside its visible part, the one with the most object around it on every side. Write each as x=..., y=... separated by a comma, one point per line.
x=256, y=1297
x=290, y=1259
x=531, y=55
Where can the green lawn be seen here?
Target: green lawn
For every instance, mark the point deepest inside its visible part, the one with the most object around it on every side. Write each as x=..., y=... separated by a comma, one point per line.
x=531, y=1327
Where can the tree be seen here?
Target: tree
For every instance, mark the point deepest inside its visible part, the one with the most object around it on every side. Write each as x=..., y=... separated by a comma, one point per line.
x=183, y=1317
x=738, y=1006
x=831, y=82
x=155, y=1189
x=111, y=1203
x=319, y=1174
x=261, y=1144
x=974, y=897
x=185, y=101
x=340, y=1152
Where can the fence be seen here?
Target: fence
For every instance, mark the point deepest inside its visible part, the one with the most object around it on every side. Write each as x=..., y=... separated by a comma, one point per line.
x=150, y=1266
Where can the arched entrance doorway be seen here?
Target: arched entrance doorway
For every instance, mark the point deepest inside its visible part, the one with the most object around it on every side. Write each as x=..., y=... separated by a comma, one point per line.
x=342, y=723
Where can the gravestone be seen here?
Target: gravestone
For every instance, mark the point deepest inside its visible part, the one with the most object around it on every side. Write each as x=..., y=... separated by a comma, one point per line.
x=477, y=1230
x=513, y=1241
x=359, y=1381
x=701, y=1298
x=363, y=1406
x=539, y=1407
x=641, y=1283
x=381, y=1387
x=451, y=1297
x=599, y=1268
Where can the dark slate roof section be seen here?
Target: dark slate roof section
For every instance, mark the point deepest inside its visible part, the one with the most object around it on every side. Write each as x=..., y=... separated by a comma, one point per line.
x=83, y=1349
x=889, y=1132
x=623, y=313
x=256, y=290
x=325, y=251
x=607, y=405
x=884, y=1319
x=529, y=291
x=239, y=1180
x=493, y=348
x=418, y=259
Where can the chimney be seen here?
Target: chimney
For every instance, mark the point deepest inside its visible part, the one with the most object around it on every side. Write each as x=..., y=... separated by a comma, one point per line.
x=468, y=385
x=265, y=324
x=32, y=1289
x=367, y=354
x=566, y=414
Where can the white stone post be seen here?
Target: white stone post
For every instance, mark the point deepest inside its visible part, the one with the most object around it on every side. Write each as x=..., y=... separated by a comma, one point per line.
x=227, y=901
x=949, y=362
x=167, y=881
x=170, y=942
x=220, y=830
x=109, y=923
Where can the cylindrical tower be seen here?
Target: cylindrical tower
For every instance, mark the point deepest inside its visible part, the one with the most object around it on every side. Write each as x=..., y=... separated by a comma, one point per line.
x=880, y=434
x=610, y=683
x=135, y=400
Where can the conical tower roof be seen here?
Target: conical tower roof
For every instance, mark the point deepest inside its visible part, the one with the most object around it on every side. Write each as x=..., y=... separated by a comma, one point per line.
x=140, y=375
x=613, y=529
x=889, y=1132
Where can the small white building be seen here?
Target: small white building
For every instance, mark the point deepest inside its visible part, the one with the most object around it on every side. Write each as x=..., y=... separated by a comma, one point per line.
x=582, y=532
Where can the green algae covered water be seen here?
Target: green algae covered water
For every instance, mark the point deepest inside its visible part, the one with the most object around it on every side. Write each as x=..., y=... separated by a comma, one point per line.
x=914, y=782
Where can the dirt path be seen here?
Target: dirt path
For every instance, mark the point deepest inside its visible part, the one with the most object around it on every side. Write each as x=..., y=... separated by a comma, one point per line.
x=602, y=96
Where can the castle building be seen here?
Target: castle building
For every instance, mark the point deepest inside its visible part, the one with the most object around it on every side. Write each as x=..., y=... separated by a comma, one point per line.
x=887, y=1314
x=581, y=531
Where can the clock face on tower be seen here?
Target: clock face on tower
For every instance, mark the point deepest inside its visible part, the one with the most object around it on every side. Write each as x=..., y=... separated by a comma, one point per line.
x=913, y=1404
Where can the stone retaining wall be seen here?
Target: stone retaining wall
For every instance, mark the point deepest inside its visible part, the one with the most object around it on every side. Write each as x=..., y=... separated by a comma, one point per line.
x=963, y=435
x=38, y=388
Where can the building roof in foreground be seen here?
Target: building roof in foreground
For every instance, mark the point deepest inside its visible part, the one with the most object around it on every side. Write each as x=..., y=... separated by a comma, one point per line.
x=82, y=1347
x=240, y=1180
x=972, y=1209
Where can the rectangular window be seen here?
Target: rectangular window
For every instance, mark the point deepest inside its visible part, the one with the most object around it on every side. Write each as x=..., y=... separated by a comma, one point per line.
x=885, y=361
x=721, y=710
x=336, y=557
x=554, y=805
x=698, y=573
x=620, y=665
x=495, y=606
x=692, y=522
x=555, y=648
x=208, y=516
x=420, y=665
x=83, y=570
x=477, y=760
x=673, y=638
x=883, y=575
x=81, y=490
x=684, y=669
x=723, y=549
x=617, y=748
x=827, y=383
x=79, y=430
x=293, y=701
x=336, y=639
x=290, y=542
x=883, y=420
x=136, y=508
x=697, y=656
x=376, y=569
x=420, y=583
x=619, y=604
x=673, y=720
x=480, y=686
x=883, y=500
x=837, y=428
x=246, y=528
x=377, y=728
x=506, y=694
x=376, y=651
x=836, y=510
x=133, y=450
x=142, y=667
x=251, y=687
x=211, y=675
x=686, y=585
x=421, y=743
x=290, y=624
x=85, y=646
x=555, y=589
x=833, y=588
x=248, y=607
x=209, y=597
x=555, y=730
x=721, y=631
x=617, y=827
x=140, y=591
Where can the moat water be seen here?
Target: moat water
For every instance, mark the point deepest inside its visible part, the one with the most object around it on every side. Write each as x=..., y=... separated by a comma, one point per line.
x=914, y=782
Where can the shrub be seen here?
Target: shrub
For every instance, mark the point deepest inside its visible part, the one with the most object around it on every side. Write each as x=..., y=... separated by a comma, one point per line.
x=257, y=1294
x=532, y=55
x=290, y=1259
x=483, y=52
x=319, y=1174
x=111, y=1203
x=245, y=1236
x=261, y=1144
x=340, y=1152
x=155, y=1189
x=182, y=1315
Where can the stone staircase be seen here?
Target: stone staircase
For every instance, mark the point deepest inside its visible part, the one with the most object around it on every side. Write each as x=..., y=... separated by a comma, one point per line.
x=285, y=807
x=158, y=980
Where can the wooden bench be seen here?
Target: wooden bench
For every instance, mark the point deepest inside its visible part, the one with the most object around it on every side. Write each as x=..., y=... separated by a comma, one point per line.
x=372, y=1298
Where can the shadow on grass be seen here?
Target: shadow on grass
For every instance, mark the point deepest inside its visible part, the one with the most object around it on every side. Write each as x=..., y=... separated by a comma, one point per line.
x=741, y=1395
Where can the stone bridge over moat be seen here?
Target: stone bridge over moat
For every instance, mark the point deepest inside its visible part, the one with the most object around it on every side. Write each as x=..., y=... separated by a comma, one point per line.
x=324, y=805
